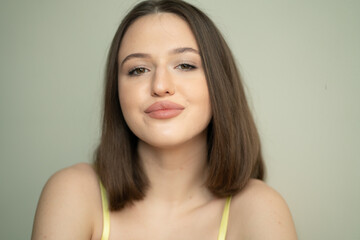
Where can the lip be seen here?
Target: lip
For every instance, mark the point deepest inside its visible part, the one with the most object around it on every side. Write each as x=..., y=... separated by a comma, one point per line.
x=164, y=110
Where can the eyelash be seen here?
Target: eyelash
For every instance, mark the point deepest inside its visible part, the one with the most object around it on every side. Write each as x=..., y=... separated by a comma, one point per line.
x=134, y=72
x=191, y=67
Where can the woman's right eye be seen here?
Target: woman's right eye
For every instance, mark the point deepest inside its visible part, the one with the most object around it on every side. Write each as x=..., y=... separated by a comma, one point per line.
x=138, y=71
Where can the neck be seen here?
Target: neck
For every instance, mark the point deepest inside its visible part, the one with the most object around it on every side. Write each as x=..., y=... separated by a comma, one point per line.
x=176, y=174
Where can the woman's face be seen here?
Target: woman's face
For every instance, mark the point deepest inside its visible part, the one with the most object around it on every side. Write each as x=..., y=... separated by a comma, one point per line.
x=162, y=86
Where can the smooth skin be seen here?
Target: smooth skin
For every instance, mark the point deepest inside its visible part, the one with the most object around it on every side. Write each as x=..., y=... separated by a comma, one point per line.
x=155, y=67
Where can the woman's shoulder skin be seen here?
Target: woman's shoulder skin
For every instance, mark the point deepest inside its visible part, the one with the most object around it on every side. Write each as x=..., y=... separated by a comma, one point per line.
x=259, y=212
x=69, y=205
x=70, y=208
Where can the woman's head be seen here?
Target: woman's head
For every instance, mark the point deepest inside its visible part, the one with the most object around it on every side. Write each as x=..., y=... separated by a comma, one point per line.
x=233, y=143
x=162, y=86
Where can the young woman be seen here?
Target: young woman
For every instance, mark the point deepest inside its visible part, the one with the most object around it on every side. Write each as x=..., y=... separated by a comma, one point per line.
x=179, y=156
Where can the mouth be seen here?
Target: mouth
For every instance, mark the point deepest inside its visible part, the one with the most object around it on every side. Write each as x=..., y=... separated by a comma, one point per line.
x=164, y=110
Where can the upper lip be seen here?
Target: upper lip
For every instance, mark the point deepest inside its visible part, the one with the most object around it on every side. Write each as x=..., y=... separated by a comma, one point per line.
x=163, y=105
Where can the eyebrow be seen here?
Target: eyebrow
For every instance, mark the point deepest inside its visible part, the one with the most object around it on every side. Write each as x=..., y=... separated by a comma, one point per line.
x=145, y=55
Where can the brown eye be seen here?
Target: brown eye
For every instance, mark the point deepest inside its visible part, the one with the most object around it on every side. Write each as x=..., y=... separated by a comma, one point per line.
x=138, y=71
x=185, y=67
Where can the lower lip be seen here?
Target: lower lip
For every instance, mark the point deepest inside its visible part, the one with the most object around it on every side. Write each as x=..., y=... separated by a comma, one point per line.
x=165, y=113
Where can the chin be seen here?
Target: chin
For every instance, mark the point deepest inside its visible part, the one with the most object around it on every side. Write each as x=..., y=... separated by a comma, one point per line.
x=166, y=141
x=163, y=141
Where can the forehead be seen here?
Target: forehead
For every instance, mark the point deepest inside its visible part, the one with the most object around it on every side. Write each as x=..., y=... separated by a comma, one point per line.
x=157, y=33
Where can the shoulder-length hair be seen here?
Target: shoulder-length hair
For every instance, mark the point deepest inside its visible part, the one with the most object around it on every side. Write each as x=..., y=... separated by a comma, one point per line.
x=234, y=154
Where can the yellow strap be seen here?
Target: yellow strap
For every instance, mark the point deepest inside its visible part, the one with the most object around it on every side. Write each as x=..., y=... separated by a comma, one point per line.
x=106, y=214
x=224, y=220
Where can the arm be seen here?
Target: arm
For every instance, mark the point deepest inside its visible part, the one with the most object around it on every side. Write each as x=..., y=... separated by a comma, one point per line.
x=65, y=208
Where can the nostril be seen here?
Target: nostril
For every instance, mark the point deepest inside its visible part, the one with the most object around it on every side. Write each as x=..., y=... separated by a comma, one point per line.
x=160, y=94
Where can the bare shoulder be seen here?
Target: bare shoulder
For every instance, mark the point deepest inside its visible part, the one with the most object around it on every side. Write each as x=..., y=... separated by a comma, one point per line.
x=78, y=180
x=259, y=212
x=75, y=174
x=66, y=209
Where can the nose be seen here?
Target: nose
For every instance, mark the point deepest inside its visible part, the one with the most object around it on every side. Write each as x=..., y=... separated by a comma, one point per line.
x=162, y=83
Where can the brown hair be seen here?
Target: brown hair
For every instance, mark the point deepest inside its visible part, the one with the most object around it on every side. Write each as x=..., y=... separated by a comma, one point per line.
x=234, y=154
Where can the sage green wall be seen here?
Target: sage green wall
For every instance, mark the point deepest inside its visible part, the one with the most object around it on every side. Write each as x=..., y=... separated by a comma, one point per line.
x=300, y=61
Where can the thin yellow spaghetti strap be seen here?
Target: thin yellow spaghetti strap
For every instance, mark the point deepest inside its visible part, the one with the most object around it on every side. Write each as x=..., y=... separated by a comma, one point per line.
x=224, y=220
x=106, y=214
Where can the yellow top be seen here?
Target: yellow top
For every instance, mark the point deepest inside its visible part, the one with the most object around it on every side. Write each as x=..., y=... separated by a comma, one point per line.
x=106, y=214
x=106, y=217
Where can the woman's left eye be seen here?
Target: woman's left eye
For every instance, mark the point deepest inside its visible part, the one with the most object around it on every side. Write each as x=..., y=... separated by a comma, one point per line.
x=185, y=67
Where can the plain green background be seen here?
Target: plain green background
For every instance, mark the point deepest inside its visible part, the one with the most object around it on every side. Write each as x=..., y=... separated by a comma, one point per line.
x=300, y=61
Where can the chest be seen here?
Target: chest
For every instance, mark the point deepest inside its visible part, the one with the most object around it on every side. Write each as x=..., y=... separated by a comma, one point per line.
x=200, y=224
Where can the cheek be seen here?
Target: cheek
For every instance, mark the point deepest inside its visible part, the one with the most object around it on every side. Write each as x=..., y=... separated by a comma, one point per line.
x=128, y=92
x=198, y=94
x=198, y=98
x=127, y=100
x=124, y=101
x=204, y=97
x=132, y=97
